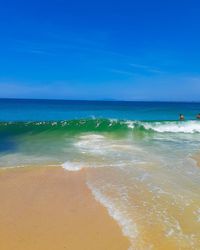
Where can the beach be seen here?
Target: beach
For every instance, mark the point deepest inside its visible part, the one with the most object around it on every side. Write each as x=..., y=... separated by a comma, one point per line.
x=100, y=125
x=53, y=208
x=50, y=208
x=110, y=181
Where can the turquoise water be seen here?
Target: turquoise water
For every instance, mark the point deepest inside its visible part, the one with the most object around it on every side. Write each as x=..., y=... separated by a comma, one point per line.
x=138, y=157
x=45, y=110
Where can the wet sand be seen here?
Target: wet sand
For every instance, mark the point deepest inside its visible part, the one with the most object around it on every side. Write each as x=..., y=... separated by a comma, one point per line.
x=197, y=159
x=52, y=209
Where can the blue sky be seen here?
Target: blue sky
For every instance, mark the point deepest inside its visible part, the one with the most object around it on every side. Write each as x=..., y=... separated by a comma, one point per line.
x=123, y=50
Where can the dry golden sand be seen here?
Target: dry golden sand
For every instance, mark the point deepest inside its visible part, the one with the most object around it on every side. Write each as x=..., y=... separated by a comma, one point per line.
x=52, y=209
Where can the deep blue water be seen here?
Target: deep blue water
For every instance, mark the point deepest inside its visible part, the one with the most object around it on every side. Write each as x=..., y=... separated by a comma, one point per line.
x=55, y=110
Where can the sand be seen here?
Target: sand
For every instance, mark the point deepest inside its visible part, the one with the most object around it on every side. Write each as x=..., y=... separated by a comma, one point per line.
x=43, y=208
x=196, y=157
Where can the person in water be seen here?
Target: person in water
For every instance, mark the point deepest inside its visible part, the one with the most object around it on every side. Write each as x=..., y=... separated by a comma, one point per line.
x=181, y=117
x=198, y=116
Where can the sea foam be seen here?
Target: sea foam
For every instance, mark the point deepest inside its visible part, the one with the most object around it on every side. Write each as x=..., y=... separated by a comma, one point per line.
x=128, y=226
x=173, y=127
x=72, y=166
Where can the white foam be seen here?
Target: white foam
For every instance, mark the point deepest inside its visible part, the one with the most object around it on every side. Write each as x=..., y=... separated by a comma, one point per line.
x=130, y=124
x=72, y=166
x=91, y=143
x=173, y=127
x=92, y=137
x=129, y=228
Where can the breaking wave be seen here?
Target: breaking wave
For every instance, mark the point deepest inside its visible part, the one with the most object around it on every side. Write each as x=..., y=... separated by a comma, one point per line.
x=101, y=125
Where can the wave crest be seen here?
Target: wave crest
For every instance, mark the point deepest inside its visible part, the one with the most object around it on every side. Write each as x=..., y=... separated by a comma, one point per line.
x=102, y=125
x=173, y=127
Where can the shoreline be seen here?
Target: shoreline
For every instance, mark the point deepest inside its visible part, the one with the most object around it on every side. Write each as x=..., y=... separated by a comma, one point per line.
x=51, y=208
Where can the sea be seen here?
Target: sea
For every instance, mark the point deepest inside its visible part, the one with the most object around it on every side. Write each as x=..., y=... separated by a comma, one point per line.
x=140, y=160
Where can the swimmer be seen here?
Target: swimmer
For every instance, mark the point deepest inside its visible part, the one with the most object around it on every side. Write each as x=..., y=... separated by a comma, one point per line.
x=181, y=117
x=198, y=116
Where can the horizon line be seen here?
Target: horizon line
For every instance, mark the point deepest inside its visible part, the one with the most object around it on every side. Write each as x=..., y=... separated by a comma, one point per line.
x=96, y=100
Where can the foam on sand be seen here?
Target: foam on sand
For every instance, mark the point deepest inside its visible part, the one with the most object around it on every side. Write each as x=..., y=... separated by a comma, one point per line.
x=72, y=166
x=129, y=228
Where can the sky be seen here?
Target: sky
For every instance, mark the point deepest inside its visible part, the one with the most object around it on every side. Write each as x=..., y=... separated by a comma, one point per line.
x=146, y=50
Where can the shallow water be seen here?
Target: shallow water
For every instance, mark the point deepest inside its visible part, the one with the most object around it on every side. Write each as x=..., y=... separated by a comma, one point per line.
x=141, y=171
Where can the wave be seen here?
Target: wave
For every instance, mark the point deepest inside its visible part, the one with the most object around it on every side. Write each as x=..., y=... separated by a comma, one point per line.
x=173, y=127
x=100, y=125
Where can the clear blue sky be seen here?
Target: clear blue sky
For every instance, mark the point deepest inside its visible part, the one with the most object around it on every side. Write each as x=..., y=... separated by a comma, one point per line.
x=124, y=50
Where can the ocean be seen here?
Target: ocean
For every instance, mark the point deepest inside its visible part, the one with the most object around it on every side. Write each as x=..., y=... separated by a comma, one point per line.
x=139, y=158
